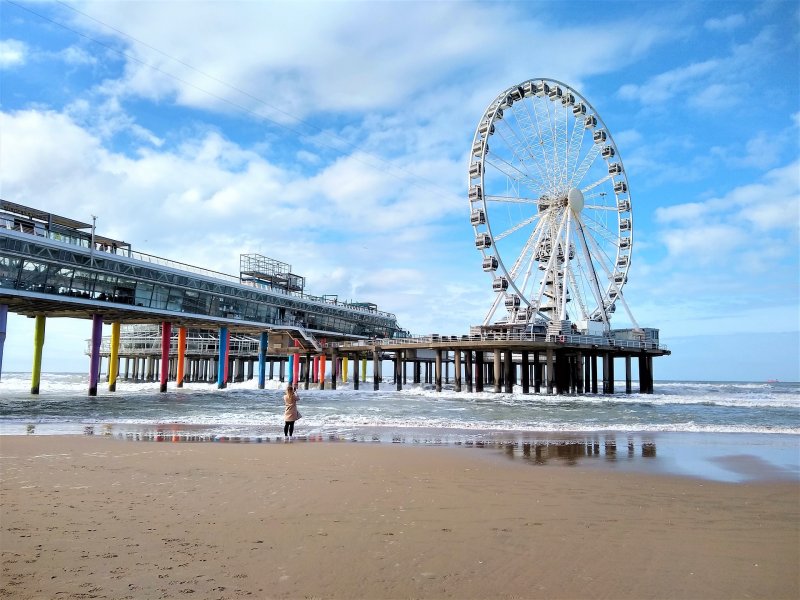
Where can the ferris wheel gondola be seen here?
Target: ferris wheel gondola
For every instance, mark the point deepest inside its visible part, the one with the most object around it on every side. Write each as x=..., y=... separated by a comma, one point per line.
x=550, y=206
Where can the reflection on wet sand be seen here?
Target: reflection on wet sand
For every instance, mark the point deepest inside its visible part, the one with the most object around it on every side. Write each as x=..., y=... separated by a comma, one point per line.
x=567, y=450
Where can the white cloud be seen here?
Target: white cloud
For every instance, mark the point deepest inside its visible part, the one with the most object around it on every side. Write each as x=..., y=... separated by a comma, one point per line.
x=330, y=56
x=669, y=84
x=77, y=56
x=728, y=23
x=13, y=53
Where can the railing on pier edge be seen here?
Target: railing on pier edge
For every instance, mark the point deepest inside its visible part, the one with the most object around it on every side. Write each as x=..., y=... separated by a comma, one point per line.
x=576, y=339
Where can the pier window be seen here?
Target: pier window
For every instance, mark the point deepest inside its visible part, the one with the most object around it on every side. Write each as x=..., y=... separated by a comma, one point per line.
x=33, y=276
x=175, y=300
x=60, y=280
x=160, y=297
x=104, y=288
x=144, y=292
x=9, y=271
x=125, y=291
x=193, y=302
x=82, y=284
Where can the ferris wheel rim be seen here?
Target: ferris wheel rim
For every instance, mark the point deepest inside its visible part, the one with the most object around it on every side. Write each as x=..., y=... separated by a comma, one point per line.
x=605, y=295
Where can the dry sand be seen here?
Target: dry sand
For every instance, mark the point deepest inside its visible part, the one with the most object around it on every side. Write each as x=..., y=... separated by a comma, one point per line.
x=86, y=517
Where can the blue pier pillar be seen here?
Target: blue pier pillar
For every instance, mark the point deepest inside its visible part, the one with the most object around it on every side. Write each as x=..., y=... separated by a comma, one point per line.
x=262, y=359
x=290, y=368
x=94, y=363
x=223, y=357
x=3, y=325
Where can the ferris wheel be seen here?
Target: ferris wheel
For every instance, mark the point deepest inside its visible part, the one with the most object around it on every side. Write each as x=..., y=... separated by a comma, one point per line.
x=550, y=207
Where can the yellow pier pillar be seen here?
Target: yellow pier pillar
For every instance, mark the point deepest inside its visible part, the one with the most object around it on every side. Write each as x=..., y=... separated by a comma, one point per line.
x=344, y=369
x=113, y=360
x=38, y=344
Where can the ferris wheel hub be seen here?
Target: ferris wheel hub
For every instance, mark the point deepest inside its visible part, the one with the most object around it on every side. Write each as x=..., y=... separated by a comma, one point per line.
x=575, y=199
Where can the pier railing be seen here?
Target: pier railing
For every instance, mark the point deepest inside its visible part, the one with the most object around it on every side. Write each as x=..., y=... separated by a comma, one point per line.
x=572, y=339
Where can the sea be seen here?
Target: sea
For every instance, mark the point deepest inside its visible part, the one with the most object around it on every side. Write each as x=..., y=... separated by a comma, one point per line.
x=727, y=431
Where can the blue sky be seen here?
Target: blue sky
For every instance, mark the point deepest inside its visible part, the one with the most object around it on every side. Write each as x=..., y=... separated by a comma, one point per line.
x=335, y=137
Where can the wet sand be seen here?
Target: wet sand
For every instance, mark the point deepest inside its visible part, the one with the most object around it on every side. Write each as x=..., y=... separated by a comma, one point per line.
x=89, y=517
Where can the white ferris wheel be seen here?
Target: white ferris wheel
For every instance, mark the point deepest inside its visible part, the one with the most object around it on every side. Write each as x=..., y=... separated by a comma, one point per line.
x=550, y=208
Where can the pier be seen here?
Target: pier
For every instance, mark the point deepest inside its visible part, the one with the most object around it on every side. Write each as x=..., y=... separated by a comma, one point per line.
x=174, y=322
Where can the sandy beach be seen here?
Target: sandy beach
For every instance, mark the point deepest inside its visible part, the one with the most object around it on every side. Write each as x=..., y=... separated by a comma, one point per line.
x=94, y=517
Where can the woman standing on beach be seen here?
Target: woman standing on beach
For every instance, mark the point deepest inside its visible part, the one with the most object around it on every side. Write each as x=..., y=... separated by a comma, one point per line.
x=290, y=413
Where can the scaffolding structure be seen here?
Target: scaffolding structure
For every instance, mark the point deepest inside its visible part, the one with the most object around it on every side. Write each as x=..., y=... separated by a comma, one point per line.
x=262, y=271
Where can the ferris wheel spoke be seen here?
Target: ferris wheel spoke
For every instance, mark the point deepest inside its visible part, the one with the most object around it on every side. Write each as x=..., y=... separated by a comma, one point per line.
x=515, y=151
x=512, y=199
x=600, y=231
x=516, y=227
x=575, y=146
x=526, y=145
x=511, y=171
x=597, y=207
x=564, y=288
x=578, y=295
x=538, y=135
x=548, y=270
x=596, y=183
x=586, y=164
x=595, y=284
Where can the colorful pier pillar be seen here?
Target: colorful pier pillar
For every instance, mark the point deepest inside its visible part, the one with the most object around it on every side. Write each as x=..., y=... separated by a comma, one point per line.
x=344, y=369
x=496, y=370
x=296, y=361
x=376, y=369
x=222, y=364
x=181, y=374
x=166, y=335
x=364, y=369
x=3, y=325
x=321, y=375
x=113, y=359
x=94, y=362
x=290, y=365
x=334, y=368
x=227, y=367
x=38, y=344
x=263, y=343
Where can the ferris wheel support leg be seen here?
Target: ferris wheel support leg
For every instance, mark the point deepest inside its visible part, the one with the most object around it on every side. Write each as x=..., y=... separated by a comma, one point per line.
x=550, y=371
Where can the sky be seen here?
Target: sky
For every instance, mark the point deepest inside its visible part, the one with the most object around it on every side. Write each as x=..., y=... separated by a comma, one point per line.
x=335, y=136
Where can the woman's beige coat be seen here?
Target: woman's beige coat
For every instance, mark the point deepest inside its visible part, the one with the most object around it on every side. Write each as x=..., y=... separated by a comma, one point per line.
x=290, y=413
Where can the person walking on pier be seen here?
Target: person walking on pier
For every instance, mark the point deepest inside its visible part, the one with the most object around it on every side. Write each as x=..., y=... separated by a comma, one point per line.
x=290, y=413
